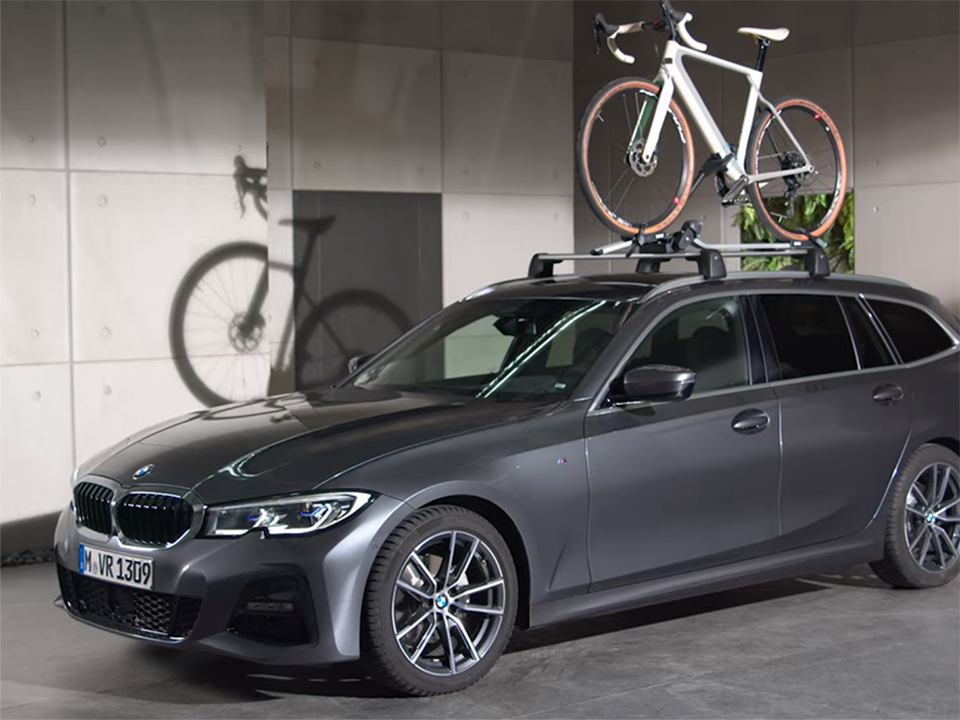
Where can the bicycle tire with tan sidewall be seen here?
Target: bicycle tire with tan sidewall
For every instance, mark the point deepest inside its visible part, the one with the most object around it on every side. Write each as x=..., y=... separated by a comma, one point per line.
x=756, y=135
x=610, y=219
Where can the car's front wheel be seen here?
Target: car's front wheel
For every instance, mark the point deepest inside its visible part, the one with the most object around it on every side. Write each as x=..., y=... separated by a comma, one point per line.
x=440, y=603
x=922, y=547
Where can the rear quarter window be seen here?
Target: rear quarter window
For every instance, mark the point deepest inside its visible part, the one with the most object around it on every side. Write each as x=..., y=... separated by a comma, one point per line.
x=913, y=331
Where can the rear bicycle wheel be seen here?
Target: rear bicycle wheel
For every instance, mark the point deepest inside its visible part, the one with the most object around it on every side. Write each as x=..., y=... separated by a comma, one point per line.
x=805, y=205
x=627, y=194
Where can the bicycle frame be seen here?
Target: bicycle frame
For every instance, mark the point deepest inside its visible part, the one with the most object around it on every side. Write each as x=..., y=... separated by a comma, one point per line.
x=673, y=77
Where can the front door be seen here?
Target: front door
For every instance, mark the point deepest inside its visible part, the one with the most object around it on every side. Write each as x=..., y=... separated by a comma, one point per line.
x=683, y=485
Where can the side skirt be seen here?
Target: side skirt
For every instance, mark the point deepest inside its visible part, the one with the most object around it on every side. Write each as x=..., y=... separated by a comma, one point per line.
x=863, y=547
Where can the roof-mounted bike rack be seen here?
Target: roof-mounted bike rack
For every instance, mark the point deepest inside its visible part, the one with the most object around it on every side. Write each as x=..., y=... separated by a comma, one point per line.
x=686, y=244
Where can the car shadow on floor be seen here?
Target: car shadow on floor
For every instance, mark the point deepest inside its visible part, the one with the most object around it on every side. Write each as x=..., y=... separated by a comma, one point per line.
x=860, y=576
x=224, y=680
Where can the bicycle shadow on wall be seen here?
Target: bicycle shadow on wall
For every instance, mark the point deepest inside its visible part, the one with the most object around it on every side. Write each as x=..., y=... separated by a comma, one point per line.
x=220, y=313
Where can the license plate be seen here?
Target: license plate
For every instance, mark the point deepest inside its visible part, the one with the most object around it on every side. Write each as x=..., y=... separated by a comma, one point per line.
x=116, y=567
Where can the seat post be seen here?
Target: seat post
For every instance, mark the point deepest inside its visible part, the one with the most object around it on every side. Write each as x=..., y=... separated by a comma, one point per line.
x=762, y=52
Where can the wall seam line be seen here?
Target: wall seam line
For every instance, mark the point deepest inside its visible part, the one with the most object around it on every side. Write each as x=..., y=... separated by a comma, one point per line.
x=69, y=235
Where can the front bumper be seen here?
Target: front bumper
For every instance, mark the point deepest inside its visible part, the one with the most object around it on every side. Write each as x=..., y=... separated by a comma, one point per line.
x=199, y=582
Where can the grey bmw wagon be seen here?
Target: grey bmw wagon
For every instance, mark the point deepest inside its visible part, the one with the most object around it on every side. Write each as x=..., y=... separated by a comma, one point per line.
x=544, y=450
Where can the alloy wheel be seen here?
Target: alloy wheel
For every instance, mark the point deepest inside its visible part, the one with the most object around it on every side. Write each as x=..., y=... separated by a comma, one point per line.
x=448, y=603
x=932, y=518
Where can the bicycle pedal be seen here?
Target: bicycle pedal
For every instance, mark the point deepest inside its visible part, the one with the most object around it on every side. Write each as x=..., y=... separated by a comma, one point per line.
x=737, y=201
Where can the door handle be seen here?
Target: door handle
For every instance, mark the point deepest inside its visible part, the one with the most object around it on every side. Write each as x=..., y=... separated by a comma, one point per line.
x=888, y=394
x=750, y=422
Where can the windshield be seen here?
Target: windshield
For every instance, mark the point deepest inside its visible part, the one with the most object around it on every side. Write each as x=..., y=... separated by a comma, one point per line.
x=507, y=349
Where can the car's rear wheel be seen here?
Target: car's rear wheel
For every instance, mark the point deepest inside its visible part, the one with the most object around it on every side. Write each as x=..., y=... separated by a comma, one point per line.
x=922, y=547
x=440, y=603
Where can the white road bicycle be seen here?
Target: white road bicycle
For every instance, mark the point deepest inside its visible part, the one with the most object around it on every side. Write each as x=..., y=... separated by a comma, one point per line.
x=635, y=152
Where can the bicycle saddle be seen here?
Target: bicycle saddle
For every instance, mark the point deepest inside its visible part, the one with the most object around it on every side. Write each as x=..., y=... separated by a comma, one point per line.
x=775, y=35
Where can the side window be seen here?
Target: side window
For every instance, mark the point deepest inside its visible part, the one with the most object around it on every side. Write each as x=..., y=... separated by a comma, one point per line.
x=809, y=333
x=706, y=337
x=872, y=350
x=915, y=334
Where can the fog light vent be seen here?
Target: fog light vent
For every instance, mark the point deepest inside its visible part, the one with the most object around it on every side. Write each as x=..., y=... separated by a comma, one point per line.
x=275, y=611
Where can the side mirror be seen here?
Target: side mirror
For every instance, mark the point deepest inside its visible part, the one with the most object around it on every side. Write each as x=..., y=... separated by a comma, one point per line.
x=658, y=382
x=355, y=363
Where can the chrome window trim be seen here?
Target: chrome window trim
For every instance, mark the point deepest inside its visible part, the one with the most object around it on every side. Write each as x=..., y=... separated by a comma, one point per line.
x=881, y=330
x=119, y=493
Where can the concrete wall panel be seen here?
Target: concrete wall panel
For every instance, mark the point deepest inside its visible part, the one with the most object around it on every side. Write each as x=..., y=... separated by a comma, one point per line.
x=279, y=127
x=891, y=20
x=165, y=86
x=365, y=117
x=134, y=238
x=909, y=233
x=524, y=28
x=31, y=74
x=408, y=23
x=906, y=128
x=486, y=242
x=506, y=125
x=33, y=268
x=36, y=456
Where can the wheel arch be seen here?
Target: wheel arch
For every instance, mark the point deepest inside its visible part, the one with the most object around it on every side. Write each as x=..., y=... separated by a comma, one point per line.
x=505, y=525
x=950, y=443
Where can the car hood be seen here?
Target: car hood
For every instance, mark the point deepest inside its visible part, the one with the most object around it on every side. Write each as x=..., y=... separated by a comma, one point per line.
x=292, y=443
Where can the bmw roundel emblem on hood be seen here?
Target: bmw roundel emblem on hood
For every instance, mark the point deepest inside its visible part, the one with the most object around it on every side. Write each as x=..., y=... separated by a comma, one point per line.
x=145, y=470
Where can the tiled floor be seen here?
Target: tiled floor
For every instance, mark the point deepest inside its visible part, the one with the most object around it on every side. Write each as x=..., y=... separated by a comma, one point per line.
x=841, y=646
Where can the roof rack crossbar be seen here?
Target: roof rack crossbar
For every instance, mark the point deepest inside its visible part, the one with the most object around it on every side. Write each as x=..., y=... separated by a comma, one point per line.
x=709, y=257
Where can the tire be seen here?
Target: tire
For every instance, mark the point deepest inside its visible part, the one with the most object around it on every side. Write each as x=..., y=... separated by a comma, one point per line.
x=192, y=365
x=908, y=522
x=818, y=135
x=420, y=665
x=597, y=162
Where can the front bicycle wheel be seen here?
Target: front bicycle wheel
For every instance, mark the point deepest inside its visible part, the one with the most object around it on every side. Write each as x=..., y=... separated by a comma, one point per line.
x=627, y=194
x=805, y=205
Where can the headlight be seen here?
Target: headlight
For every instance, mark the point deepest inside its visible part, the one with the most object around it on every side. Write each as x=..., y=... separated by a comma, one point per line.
x=285, y=516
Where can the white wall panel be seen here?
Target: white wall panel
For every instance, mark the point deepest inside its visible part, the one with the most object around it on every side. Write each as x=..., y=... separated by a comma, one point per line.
x=365, y=117
x=36, y=456
x=31, y=74
x=134, y=238
x=877, y=22
x=165, y=86
x=487, y=239
x=279, y=129
x=825, y=77
x=909, y=233
x=522, y=28
x=507, y=125
x=410, y=23
x=33, y=267
x=116, y=399
x=901, y=141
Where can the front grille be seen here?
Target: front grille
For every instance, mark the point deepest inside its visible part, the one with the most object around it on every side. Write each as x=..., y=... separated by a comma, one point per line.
x=92, y=504
x=139, y=612
x=153, y=519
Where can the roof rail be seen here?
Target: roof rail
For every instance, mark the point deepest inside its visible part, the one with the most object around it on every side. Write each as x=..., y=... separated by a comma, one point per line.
x=686, y=244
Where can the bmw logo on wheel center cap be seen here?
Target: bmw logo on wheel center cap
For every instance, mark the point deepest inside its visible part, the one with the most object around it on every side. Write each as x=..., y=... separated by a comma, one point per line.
x=442, y=601
x=929, y=517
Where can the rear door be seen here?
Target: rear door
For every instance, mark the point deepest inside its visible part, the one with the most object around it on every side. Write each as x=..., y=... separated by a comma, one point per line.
x=844, y=408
